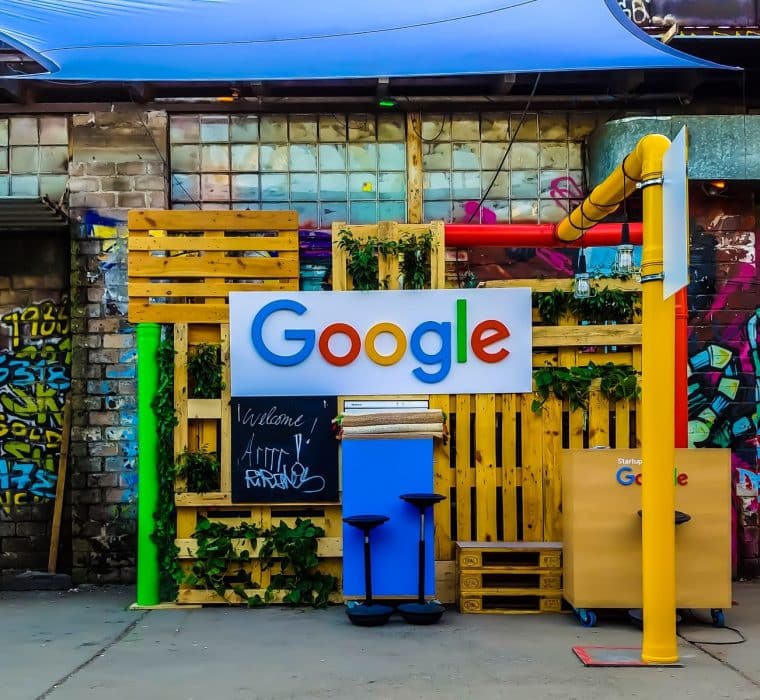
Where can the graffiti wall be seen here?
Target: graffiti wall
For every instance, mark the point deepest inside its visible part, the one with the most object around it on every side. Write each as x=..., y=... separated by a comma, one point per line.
x=34, y=379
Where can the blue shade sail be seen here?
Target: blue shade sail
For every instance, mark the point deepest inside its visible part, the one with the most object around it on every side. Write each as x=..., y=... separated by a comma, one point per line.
x=223, y=40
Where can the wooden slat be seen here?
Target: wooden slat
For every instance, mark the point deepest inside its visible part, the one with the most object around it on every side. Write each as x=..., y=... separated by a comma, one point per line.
x=326, y=547
x=486, y=474
x=442, y=484
x=137, y=289
x=340, y=278
x=225, y=456
x=187, y=519
x=414, y=212
x=236, y=220
x=180, y=389
x=204, y=408
x=623, y=424
x=509, y=403
x=146, y=265
x=464, y=477
x=438, y=256
x=637, y=363
x=551, y=416
x=178, y=313
x=532, y=471
x=564, y=284
x=598, y=419
x=567, y=336
x=576, y=424
x=282, y=241
x=388, y=265
x=446, y=582
x=195, y=597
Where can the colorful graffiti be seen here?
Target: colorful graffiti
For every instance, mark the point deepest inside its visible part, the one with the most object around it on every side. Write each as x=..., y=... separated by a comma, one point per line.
x=35, y=374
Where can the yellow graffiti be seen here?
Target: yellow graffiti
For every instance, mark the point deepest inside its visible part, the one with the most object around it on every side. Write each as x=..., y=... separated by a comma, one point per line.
x=41, y=405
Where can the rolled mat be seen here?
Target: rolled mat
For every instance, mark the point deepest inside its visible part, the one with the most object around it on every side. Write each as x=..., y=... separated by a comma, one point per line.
x=394, y=428
x=393, y=417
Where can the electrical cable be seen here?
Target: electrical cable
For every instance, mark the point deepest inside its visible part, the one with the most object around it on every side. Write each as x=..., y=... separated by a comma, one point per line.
x=509, y=148
x=697, y=642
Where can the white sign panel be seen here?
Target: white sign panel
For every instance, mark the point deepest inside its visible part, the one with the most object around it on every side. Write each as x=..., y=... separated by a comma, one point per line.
x=675, y=216
x=392, y=342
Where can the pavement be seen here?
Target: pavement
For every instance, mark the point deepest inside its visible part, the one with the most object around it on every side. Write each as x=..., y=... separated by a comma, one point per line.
x=86, y=643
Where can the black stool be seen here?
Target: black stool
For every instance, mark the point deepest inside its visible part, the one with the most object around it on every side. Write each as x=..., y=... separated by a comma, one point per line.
x=421, y=613
x=368, y=614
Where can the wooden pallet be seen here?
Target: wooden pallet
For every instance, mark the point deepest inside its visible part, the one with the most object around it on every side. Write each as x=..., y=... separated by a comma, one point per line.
x=509, y=577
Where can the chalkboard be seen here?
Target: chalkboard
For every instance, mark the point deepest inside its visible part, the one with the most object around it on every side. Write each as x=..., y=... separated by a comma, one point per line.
x=284, y=449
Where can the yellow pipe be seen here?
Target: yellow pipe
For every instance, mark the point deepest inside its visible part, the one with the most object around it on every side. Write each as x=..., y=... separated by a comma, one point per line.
x=644, y=163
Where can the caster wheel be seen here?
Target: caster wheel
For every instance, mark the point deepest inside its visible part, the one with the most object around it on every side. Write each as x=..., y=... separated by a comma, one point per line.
x=718, y=618
x=587, y=618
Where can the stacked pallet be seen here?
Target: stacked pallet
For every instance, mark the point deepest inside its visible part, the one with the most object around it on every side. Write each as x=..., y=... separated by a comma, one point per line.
x=392, y=424
x=509, y=578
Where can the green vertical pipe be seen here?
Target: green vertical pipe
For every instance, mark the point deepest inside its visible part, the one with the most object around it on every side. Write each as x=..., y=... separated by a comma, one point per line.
x=148, y=339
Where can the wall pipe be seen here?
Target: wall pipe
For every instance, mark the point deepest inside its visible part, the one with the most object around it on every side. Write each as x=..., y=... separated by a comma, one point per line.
x=148, y=339
x=644, y=165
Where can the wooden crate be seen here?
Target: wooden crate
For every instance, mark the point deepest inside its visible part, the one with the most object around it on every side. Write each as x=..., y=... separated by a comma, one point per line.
x=182, y=265
x=388, y=266
x=509, y=577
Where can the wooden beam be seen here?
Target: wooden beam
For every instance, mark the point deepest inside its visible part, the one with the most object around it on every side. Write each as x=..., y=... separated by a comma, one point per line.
x=414, y=212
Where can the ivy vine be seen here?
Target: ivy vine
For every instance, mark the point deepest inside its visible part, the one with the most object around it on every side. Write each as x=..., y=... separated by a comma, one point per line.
x=294, y=548
x=165, y=529
x=204, y=365
x=573, y=384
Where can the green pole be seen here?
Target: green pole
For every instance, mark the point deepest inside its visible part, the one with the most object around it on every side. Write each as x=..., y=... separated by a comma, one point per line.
x=148, y=339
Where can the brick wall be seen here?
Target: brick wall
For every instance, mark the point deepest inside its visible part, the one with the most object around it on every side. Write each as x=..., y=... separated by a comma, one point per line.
x=117, y=164
x=34, y=380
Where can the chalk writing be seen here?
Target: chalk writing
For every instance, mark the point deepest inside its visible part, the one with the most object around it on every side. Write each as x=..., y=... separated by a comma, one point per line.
x=275, y=472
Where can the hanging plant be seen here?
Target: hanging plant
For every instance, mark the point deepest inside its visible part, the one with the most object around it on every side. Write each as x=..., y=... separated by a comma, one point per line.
x=553, y=305
x=363, y=259
x=200, y=469
x=573, y=384
x=607, y=305
x=415, y=251
x=204, y=365
x=165, y=530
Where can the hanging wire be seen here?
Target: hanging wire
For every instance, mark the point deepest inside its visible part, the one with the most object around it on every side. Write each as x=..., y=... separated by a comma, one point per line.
x=509, y=148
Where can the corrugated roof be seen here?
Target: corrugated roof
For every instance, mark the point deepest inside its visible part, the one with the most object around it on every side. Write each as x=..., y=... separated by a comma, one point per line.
x=30, y=215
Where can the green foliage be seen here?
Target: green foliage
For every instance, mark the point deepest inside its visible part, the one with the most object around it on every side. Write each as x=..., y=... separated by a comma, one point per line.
x=604, y=306
x=573, y=384
x=204, y=365
x=553, y=305
x=164, y=531
x=295, y=548
x=200, y=469
x=362, y=263
x=415, y=259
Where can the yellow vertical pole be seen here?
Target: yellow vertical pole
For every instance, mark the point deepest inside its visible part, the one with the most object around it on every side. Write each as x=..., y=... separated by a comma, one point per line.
x=659, y=644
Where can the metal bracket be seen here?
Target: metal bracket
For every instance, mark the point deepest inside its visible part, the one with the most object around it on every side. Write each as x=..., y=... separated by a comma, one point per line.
x=659, y=277
x=648, y=183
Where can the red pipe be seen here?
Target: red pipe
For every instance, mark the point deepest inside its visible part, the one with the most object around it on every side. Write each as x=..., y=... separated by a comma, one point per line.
x=681, y=360
x=533, y=236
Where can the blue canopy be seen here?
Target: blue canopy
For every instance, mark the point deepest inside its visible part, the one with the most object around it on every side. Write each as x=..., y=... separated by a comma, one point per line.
x=226, y=40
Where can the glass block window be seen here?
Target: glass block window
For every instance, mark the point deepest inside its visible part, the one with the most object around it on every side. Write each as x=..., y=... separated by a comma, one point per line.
x=328, y=167
x=539, y=180
x=34, y=156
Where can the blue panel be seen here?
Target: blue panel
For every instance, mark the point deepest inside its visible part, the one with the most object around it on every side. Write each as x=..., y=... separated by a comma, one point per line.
x=375, y=474
x=224, y=40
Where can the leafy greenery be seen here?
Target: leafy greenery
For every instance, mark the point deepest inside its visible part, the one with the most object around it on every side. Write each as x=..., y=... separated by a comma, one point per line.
x=295, y=548
x=164, y=530
x=362, y=263
x=415, y=259
x=573, y=384
x=200, y=469
x=553, y=305
x=604, y=306
x=204, y=365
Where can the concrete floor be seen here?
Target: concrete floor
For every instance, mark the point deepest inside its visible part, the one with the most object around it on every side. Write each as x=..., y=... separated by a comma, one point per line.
x=86, y=644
